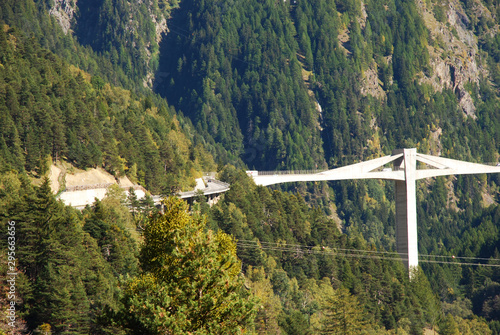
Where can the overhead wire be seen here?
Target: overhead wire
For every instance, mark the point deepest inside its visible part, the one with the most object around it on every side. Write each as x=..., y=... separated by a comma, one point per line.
x=304, y=246
x=366, y=251
x=359, y=253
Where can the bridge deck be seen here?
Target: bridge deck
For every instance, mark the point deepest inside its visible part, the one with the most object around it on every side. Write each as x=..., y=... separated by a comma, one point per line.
x=407, y=166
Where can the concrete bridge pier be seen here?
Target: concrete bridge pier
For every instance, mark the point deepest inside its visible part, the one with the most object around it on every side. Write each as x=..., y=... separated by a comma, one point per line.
x=406, y=208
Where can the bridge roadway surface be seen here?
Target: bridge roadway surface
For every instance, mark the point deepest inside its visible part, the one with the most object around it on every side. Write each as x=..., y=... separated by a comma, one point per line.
x=83, y=195
x=404, y=172
x=213, y=187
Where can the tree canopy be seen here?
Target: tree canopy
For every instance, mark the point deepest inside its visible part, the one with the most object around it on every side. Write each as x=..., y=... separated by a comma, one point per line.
x=190, y=281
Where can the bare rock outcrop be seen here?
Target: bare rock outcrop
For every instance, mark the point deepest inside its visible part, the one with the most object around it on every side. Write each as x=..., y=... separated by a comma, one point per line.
x=64, y=11
x=371, y=84
x=454, y=55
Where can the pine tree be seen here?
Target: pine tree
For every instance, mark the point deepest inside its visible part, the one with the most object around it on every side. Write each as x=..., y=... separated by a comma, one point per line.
x=448, y=326
x=191, y=281
x=343, y=314
x=132, y=201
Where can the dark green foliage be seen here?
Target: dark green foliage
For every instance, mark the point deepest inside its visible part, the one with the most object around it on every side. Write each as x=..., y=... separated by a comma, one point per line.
x=51, y=110
x=118, y=248
x=122, y=32
x=32, y=17
x=69, y=281
x=251, y=99
x=275, y=218
x=243, y=72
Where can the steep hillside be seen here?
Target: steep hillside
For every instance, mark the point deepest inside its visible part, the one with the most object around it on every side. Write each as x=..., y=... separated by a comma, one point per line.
x=51, y=109
x=126, y=32
x=228, y=67
x=218, y=63
x=233, y=68
x=159, y=91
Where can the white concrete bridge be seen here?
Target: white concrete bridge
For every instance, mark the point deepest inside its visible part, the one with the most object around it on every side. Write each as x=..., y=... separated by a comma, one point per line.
x=404, y=172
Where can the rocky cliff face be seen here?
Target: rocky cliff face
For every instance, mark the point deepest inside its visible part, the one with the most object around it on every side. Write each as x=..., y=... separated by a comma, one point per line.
x=455, y=60
x=454, y=53
x=126, y=16
x=64, y=12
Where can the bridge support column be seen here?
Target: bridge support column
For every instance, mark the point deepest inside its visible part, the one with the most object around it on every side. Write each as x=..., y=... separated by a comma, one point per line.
x=406, y=209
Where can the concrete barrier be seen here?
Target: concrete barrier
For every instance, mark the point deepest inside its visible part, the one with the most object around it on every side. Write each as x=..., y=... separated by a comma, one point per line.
x=81, y=196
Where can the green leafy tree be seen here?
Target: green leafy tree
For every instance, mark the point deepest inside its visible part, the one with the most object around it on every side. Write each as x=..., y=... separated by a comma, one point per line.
x=343, y=314
x=448, y=326
x=191, y=280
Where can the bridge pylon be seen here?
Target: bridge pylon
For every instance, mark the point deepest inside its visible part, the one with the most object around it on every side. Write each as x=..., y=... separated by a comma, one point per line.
x=405, y=174
x=406, y=207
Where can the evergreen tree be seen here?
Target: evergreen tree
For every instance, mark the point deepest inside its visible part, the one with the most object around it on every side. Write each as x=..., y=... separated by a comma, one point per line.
x=191, y=281
x=343, y=314
x=68, y=282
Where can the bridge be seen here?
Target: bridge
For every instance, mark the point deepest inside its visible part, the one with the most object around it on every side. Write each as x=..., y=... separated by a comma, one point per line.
x=210, y=187
x=407, y=166
x=79, y=196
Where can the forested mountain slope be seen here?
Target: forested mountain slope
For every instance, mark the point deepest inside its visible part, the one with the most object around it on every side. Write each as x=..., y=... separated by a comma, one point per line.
x=162, y=90
x=52, y=109
x=363, y=62
x=248, y=67
x=235, y=72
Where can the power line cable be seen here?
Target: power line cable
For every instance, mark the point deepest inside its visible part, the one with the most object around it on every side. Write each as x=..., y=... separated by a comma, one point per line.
x=368, y=251
x=357, y=253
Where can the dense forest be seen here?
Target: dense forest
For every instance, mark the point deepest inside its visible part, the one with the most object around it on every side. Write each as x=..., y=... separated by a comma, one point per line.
x=161, y=91
x=52, y=109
